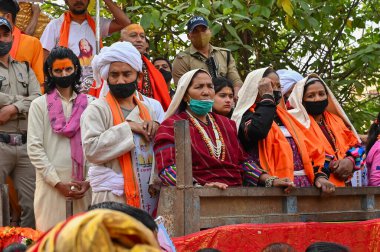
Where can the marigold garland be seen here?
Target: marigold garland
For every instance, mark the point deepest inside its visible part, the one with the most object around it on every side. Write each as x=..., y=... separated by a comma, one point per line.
x=9, y=235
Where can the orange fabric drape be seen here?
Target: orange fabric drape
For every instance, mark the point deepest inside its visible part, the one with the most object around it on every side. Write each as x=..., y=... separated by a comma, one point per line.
x=94, y=91
x=275, y=152
x=29, y=49
x=159, y=87
x=131, y=187
x=16, y=42
x=344, y=137
x=65, y=29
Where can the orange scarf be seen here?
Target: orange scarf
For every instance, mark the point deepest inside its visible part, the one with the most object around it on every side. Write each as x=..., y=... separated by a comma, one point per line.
x=276, y=154
x=16, y=41
x=159, y=87
x=65, y=28
x=344, y=138
x=131, y=186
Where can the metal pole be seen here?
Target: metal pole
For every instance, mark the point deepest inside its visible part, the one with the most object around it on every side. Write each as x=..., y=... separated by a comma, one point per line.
x=97, y=29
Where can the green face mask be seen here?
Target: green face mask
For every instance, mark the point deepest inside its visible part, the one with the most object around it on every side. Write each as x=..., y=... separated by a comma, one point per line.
x=200, y=107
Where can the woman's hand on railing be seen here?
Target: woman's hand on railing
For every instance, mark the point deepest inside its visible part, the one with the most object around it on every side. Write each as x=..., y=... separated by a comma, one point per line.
x=284, y=182
x=218, y=185
x=325, y=185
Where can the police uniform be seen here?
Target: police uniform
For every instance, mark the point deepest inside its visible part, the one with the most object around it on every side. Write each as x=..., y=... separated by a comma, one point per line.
x=19, y=86
x=192, y=59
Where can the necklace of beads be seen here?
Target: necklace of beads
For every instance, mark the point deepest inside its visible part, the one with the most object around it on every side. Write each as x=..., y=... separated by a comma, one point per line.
x=217, y=150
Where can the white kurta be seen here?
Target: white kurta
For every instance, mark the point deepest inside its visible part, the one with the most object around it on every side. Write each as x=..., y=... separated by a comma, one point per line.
x=103, y=143
x=50, y=154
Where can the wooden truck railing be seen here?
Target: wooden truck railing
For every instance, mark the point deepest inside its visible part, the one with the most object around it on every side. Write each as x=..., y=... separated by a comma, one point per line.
x=188, y=209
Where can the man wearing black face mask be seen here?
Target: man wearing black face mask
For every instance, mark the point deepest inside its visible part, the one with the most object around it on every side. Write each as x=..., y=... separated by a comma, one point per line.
x=165, y=67
x=118, y=131
x=54, y=128
x=18, y=87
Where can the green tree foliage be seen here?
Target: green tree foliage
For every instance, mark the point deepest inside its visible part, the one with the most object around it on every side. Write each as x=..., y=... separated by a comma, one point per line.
x=340, y=40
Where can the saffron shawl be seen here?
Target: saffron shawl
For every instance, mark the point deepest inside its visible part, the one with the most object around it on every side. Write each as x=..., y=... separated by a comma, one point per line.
x=275, y=153
x=159, y=87
x=131, y=186
x=65, y=28
x=299, y=111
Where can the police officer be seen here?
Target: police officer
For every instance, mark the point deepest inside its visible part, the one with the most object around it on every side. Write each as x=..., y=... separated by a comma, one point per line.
x=201, y=54
x=18, y=87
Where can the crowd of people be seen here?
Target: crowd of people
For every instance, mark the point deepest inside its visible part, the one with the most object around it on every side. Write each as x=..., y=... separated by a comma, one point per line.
x=113, y=141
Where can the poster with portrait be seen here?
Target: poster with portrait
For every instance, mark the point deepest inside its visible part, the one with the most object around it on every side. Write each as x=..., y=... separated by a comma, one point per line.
x=142, y=157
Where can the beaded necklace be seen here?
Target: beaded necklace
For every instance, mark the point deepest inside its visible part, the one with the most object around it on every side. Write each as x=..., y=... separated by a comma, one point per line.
x=219, y=150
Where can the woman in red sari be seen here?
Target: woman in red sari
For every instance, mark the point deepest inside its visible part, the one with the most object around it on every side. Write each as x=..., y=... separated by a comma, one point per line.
x=217, y=156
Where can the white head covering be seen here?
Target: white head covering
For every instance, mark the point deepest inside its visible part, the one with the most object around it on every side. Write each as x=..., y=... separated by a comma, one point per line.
x=288, y=78
x=182, y=86
x=119, y=51
x=247, y=94
x=300, y=113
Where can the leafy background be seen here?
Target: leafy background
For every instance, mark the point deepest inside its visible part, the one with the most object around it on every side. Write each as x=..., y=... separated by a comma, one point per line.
x=339, y=40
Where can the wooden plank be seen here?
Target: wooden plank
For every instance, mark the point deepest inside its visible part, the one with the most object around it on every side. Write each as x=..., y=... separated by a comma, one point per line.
x=192, y=212
x=265, y=192
x=368, y=202
x=4, y=206
x=184, y=201
x=289, y=204
x=183, y=154
x=221, y=206
x=166, y=207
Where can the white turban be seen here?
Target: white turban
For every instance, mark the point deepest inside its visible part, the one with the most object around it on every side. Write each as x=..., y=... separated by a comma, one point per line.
x=288, y=78
x=117, y=52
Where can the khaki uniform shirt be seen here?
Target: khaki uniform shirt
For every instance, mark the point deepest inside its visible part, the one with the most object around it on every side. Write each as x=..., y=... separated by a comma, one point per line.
x=19, y=88
x=192, y=59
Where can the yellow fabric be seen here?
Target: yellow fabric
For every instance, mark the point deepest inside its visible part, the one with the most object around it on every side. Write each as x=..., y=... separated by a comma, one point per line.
x=98, y=230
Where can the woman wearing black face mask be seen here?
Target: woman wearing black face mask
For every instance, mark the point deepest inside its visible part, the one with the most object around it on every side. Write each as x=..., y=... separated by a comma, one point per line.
x=318, y=110
x=273, y=137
